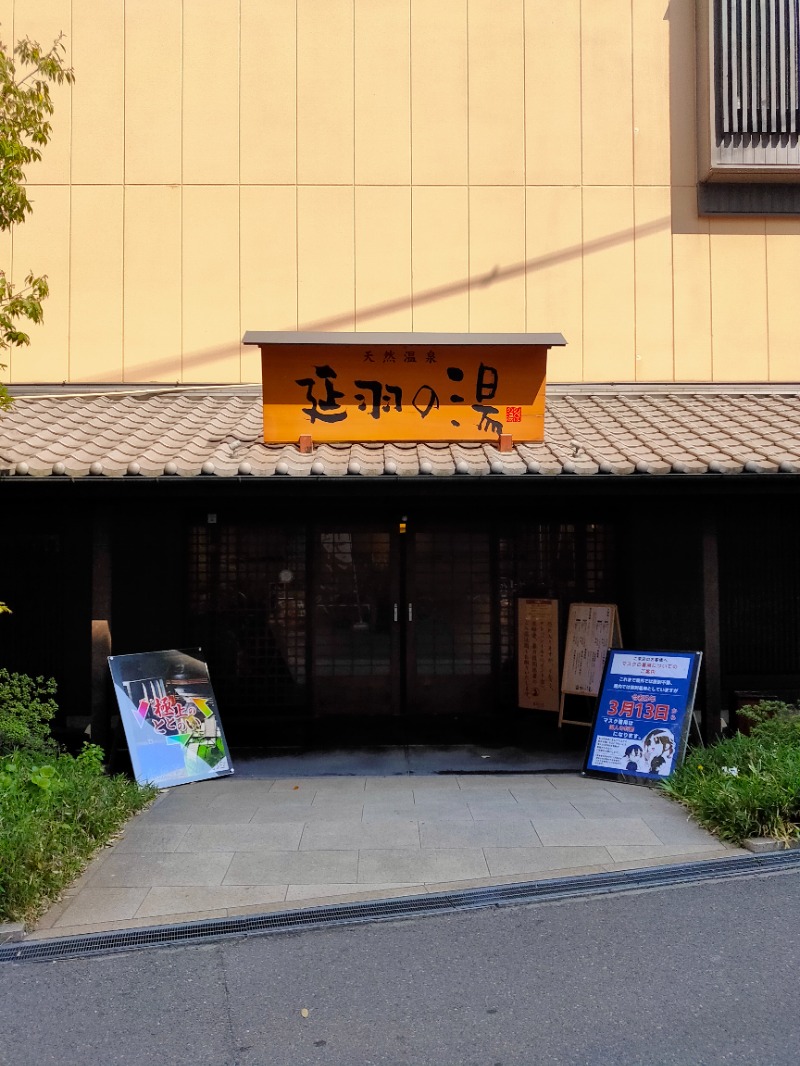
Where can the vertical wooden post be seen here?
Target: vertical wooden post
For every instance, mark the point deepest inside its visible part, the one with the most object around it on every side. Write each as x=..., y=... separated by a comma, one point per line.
x=101, y=628
x=711, y=725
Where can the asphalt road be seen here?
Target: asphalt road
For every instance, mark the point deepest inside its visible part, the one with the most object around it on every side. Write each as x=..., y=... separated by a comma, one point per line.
x=694, y=975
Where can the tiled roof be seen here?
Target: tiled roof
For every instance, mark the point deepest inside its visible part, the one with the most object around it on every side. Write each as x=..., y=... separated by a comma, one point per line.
x=192, y=431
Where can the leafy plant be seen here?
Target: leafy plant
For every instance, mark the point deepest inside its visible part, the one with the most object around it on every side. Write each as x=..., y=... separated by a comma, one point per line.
x=747, y=786
x=27, y=708
x=773, y=721
x=26, y=105
x=54, y=814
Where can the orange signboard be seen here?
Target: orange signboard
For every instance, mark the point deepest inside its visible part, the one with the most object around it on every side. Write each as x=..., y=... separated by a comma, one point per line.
x=403, y=391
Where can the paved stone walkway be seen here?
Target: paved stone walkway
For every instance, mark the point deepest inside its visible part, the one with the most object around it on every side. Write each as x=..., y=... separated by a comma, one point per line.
x=239, y=845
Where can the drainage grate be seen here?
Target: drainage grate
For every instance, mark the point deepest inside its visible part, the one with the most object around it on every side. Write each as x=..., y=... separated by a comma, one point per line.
x=332, y=915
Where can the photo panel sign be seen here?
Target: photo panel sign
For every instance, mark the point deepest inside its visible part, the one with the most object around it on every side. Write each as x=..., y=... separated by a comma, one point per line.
x=170, y=717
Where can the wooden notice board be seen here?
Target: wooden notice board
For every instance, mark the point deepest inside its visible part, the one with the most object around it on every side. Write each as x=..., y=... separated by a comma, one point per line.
x=537, y=654
x=592, y=628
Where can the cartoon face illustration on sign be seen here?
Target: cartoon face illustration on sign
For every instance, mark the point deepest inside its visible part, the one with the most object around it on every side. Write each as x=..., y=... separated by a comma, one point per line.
x=634, y=759
x=659, y=751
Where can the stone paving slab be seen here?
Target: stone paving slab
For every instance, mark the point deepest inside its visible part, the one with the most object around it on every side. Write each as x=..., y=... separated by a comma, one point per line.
x=318, y=836
x=559, y=832
x=172, y=870
x=284, y=836
x=179, y=901
x=557, y=808
x=525, y=862
x=631, y=853
x=404, y=864
x=295, y=867
x=246, y=845
x=204, y=815
x=507, y=832
x=100, y=903
x=675, y=830
x=152, y=839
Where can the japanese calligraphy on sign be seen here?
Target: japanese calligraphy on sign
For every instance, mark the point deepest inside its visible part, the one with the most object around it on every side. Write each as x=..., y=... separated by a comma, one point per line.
x=643, y=714
x=537, y=654
x=395, y=392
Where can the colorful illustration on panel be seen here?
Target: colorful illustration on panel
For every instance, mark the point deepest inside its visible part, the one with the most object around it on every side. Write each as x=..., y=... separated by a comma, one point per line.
x=169, y=714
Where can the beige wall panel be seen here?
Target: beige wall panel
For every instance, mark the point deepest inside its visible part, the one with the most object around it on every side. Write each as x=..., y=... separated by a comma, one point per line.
x=98, y=95
x=152, y=278
x=41, y=245
x=7, y=22
x=325, y=259
x=739, y=300
x=496, y=93
x=497, y=251
x=269, y=265
x=691, y=268
x=96, y=283
x=651, y=114
x=325, y=92
x=653, y=265
x=153, y=91
x=268, y=92
x=383, y=259
x=43, y=20
x=440, y=259
x=6, y=265
x=692, y=299
x=608, y=285
x=606, y=76
x=439, y=92
x=553, y=92
x=682, y=103
x=554, y=274
x=211, y=320
x=211, y=92
x=783, y=271
x=382, y=92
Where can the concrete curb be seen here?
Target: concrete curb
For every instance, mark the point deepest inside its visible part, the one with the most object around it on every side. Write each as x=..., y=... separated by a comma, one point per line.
x=765, y=845
x=11, y=932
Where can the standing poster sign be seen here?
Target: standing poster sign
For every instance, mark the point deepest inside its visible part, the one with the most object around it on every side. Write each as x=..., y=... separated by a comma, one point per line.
x=170, y=717
x=643, y=714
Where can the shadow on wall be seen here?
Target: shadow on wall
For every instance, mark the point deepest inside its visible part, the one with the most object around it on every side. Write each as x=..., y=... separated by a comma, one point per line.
x=196, y=360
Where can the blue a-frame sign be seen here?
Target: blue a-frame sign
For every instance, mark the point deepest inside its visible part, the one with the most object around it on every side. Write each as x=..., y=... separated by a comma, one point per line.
x=643, y=714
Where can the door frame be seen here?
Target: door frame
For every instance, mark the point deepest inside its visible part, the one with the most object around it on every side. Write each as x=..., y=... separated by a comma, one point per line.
x=403, y=695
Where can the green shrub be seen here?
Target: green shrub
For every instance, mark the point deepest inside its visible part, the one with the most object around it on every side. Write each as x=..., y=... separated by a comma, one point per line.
x=55, y=811
x=773, y=721
x=27, y=708
x=747, y=786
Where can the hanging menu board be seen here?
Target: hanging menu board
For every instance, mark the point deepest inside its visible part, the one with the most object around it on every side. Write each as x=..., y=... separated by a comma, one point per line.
x=537, y=654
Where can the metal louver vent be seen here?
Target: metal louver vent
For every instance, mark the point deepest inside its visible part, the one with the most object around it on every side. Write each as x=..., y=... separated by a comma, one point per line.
x=758, y=66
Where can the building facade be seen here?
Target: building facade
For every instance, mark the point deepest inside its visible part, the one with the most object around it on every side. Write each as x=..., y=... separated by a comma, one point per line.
x=403, y=167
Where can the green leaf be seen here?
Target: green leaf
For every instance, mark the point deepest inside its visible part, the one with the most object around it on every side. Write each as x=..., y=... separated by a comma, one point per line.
x=26, y=75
